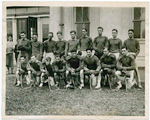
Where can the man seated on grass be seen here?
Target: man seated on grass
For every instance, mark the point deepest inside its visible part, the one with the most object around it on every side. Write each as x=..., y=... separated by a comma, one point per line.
x=108, y=64
x=125, y=66
x=34, y=70
x=47, y=71
x=74, y=67
x=92, y=66
x=59, y=68
x=21, y=70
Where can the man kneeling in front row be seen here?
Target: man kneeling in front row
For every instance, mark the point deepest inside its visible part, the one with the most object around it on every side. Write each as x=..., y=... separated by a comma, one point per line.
x=92, y=66
x=74, y=67
x=125, y=66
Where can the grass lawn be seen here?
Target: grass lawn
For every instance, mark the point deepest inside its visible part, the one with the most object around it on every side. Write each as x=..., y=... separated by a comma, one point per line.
x=41, y=101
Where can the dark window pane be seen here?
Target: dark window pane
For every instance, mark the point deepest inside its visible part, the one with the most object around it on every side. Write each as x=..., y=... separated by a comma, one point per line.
x=79, y=30
x=137, y=29
x=85, y=14
x=78, y=14
x=137, y=13
x=45, y=29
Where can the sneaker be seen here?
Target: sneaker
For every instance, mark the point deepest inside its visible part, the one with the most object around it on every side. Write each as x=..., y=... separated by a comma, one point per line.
x=68, y=85
x=82, y=85
x=41, y=84
x=18, y=83
x=140, y=86
x=97, y=87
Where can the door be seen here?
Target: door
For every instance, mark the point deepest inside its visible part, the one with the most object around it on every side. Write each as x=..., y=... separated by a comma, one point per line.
x=32, y=26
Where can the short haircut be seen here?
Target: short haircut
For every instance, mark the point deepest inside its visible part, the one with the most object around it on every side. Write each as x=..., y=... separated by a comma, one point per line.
x=84, y=29
x=23, y=32
x=131, y=30
x=115, y=30
x=73, y=31
x=100, y=28
x=8, y=35
x=89, y=49
x=57, y=54
x=74, y=50
x=59, y=32
x=48, y=59
x=23, y=57
x=35, y=33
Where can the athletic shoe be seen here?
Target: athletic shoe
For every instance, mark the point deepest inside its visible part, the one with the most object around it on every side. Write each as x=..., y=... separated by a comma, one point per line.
x=68, y=85
x=18, y=83
x=82, y=85
x=41, y=84
x=97, y=87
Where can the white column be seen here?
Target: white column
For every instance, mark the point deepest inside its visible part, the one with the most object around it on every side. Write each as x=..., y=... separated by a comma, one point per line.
x=54, y=20
x=39, y=29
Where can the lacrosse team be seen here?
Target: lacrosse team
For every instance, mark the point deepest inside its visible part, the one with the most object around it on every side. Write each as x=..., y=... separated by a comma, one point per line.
x=74, y=62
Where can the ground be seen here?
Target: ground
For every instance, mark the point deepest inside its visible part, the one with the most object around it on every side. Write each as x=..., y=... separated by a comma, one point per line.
x=41, y=101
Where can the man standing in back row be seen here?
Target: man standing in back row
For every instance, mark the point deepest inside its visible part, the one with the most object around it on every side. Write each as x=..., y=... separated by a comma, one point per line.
x=100, y=42
x=85, y=42
x=115, y=44
x=133, y=47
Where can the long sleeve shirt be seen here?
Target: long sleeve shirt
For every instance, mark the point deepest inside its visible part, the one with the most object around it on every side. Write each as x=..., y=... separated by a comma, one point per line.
x=92, y=63
x=126, y=62
x=75, y=63
x=132, y=45
x=114, y=45
x=71, y=45
x=48, y=46
x=36, y=47
x=108, y=61
x=85, y=42
x=60, y=47
x=24, y=45
x=100, y=42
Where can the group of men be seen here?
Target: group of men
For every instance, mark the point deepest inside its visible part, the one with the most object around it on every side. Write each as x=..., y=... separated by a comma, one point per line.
x=61, y=59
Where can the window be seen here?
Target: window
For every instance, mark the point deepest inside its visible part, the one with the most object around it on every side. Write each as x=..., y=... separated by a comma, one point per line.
x=139, y=22
x=9, y=27
x=82, y=20
x=45, y=28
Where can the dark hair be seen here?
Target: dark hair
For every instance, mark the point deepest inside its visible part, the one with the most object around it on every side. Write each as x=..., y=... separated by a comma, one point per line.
x=57, y=54
x=115, y=30
x=89, y=49
x=73, y=50
x=23, y=57
x=84, y=29
x=100, y=28
x=59, y=32
x=48, y=58
x=131, y=30
x=35, y=33
x=9, y=35
x=23, y=32
x=51, y=33
x=73, y=31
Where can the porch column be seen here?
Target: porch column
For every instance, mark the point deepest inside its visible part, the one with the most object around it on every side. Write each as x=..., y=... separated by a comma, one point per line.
x=39, y=27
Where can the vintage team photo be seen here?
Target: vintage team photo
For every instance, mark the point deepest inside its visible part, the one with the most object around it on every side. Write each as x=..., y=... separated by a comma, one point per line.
x=75, y=61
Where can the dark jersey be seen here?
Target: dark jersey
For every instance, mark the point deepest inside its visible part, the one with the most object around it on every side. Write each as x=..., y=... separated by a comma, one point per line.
x=60, y=47
x=72, y=45
x=35, y=65
x=49, y=68
x=85, y=42
x=91, y=62
x=59, y=65
x=48, y=46
x=109, y=59
x=36, y=47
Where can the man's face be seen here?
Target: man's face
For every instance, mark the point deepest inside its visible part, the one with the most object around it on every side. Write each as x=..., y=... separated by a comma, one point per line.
x=124, y=52
x=50, y=35
x=73, y=35
x=57, y=58
x=59, y=36
x=100, y=31
x=33, y=58
x=130, y=33
x=105, y=52
x=89, y=53
x=84, y=32
x=22, y=35
x=34, y=37
x=74, y=54
x=9, y=38
x=22, y=59
x=114, y=34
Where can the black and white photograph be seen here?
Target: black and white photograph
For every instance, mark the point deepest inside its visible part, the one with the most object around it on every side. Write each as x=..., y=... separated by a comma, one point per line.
x=76, y=60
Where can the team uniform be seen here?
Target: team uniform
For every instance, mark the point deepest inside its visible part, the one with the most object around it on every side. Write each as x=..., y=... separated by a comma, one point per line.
x=100, y=42
x=84, y=43
x=71, y=45
x=108, y=64
x=125, y=65
x=25, y=47
x=59, y=68
x=59, y=47
x=114, y=46
x=37, y=49
x=75, y=65
x=134, y=48
x=48, y=47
